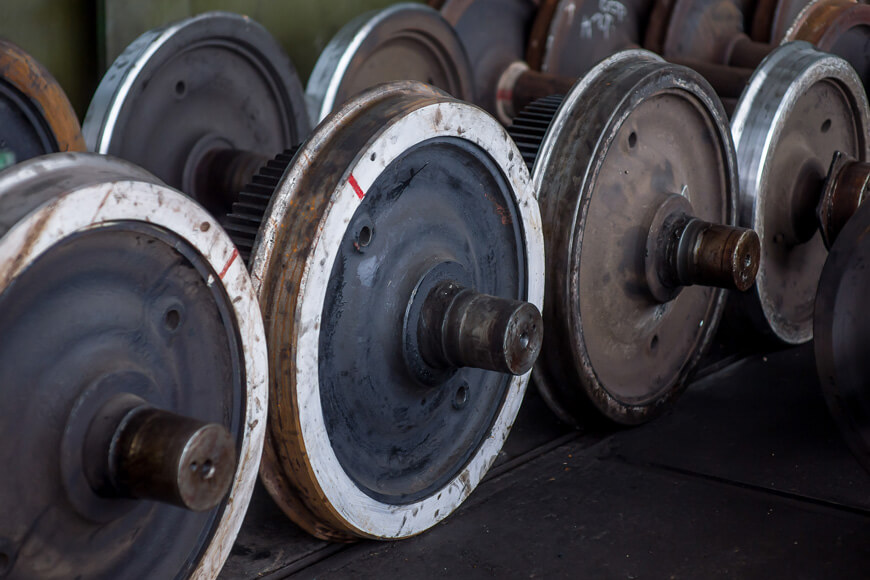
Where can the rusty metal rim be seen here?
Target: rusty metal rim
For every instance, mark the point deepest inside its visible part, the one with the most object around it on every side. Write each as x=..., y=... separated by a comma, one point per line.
x=757, y=124
x=333, y=64
x=98, y=190
x=35, y=82
x=318, y=193
x=823, y=22
x=561, y=255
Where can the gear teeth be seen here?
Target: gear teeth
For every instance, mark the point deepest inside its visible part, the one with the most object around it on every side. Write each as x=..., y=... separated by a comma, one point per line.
x=530, y=126
x=244, y=220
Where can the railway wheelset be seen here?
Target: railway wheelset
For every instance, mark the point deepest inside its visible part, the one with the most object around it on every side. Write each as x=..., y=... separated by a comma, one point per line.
x=345, y=289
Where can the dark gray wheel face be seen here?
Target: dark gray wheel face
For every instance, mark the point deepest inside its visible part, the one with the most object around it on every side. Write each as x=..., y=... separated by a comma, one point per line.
x=494, y=33
x=217, y=81
x=124, y=308
x=442, y=210
x=25, y=132
x=584, y=32
x=841, y=333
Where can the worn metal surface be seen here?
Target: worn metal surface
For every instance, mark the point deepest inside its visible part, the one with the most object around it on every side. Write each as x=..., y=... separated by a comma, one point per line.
x=800, y=107
x=35, y=115
x=70, y=225
x=612, y=347
x=569, y=37
x=494, y=34
x=317, y=212
x=403, y=42
x=840, y=332
x=217, y=81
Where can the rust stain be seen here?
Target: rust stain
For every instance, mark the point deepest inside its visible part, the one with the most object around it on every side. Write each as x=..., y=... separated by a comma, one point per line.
x=33, y=80
x=33, y=234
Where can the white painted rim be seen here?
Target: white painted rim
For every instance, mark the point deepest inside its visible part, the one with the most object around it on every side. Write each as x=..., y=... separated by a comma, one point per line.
x=367, y=516
x=93, y=206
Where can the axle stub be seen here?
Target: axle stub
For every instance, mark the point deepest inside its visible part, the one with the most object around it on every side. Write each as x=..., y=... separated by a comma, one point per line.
x=135, y=450
x=463, y=328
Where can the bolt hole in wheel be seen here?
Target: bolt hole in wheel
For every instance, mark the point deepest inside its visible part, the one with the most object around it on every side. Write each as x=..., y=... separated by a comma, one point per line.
x=632, y=140
x=524, y=340
x=180, y=89
x=172, y=319
x=365, y=236
x=4, y=562
x=654, y=343
x=826, y=126
x=208, y=469
x=461, y=397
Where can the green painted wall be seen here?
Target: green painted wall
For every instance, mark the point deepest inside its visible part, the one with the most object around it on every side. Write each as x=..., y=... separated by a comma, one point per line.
x=62, y=35
x=75, y=39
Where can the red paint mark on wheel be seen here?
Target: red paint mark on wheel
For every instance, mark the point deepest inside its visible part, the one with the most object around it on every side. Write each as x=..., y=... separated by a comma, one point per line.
x=229, y=263
x=359, y=192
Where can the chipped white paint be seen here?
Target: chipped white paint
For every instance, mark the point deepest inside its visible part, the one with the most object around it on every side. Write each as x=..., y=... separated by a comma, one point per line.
x=367, y=516
x=93, y=205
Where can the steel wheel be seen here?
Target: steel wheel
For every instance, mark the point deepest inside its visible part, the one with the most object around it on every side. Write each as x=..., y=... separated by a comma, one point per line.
x=135, y=375
x=401, y=191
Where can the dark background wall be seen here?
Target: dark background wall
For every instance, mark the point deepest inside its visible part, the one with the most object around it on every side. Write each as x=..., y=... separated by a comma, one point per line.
x=76, y=39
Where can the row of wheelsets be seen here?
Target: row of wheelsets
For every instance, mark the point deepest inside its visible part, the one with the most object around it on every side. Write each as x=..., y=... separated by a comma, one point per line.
x=354, y=310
